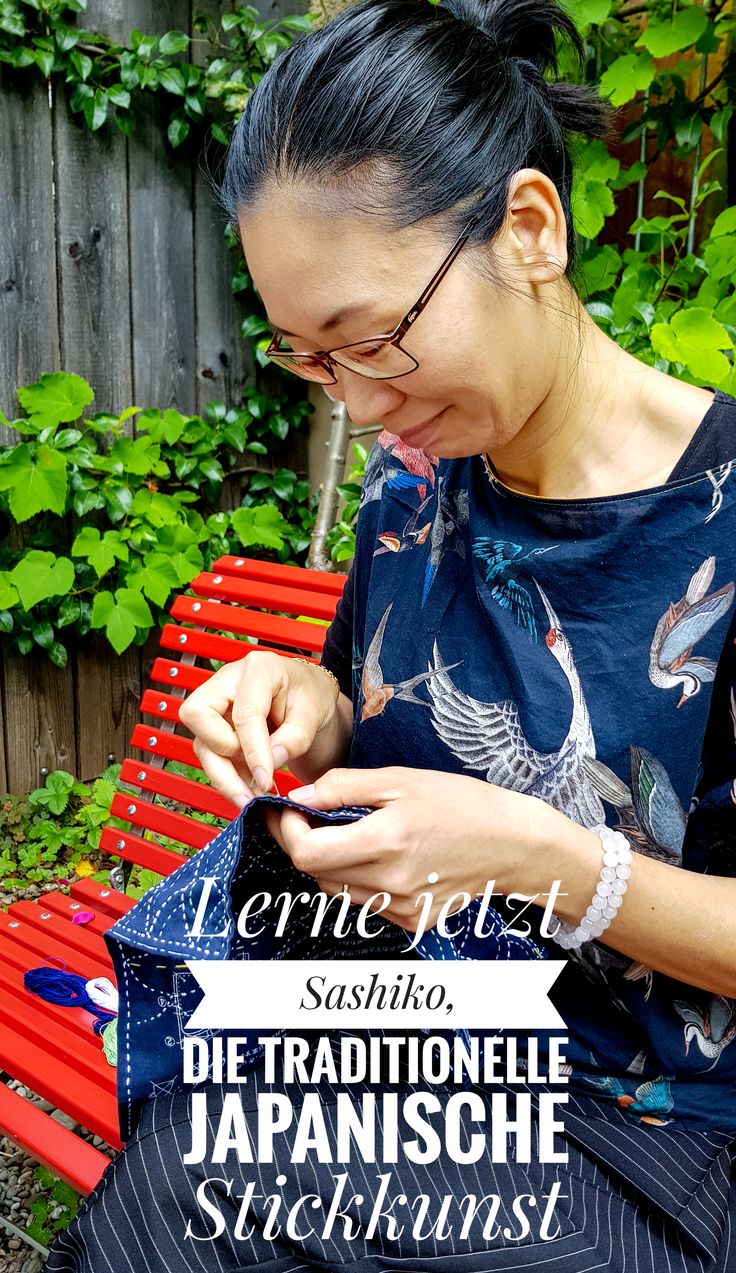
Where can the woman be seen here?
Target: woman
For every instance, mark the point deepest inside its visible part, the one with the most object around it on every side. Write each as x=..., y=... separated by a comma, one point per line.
x=537, y=637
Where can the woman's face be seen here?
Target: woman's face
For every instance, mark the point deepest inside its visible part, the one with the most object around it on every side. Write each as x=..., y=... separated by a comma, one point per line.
x=486, y=353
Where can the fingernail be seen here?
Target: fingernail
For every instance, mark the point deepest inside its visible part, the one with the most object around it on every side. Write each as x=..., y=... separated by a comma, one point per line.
x=280, y=755
x=260, y=779
x=304, y=794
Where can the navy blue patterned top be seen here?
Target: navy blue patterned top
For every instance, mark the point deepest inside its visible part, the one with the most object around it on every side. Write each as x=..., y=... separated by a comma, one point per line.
x=582, y=651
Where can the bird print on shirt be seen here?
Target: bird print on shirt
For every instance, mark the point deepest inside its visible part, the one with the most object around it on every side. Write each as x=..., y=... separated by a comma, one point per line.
x=452, y=513
x=683, y=624
x=650, y=812
x=399, y=467
x=375, y=693
x=499, y=557
x=712, y=1028
x=489, y=737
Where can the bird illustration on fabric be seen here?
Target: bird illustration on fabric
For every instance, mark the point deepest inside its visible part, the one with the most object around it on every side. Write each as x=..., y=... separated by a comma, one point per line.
x=411, y=534
x=452, y=513
x=683, y=624
x=489, y=737
x=375, y=694
x=712, y=1028
x=650, y=812
x=398, y=466
x=499, y=557
x=649, y=1100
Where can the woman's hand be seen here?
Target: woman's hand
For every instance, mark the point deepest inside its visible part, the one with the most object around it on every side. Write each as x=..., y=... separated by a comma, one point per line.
x=425, y=821
x=232, y=716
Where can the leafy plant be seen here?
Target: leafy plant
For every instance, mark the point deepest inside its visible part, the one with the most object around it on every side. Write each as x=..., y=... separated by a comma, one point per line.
x=115, y=524
x=341, y=539
x=667, y=295
x=58, y=1197
x=52, y=835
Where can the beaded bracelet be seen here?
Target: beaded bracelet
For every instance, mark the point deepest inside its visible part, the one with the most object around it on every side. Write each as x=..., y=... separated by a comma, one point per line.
x=608, y=895
x=322, y=668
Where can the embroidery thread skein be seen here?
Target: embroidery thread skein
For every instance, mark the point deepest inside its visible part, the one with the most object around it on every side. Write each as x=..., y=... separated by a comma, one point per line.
x=68, y=989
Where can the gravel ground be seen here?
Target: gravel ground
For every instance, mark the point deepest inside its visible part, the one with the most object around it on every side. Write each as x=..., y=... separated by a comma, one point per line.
x=19, y=1187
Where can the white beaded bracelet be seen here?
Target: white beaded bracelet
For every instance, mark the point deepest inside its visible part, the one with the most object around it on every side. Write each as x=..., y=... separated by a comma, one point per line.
x=608, y=895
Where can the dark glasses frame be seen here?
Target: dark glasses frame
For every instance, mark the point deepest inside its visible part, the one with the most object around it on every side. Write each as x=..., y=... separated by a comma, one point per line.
x=326, y=357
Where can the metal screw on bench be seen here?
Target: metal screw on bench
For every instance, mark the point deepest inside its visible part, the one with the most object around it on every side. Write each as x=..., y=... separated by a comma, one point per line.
x=240, y=561
x=217, y=579
x=173, y=671
x=162, y=706
x=44, y=772
x=131, y=808
x=182, y=639
x=141, y=775
x=197, y=605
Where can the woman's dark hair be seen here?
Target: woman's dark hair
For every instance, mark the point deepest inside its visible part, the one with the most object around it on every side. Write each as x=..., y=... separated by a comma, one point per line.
x=409, y=110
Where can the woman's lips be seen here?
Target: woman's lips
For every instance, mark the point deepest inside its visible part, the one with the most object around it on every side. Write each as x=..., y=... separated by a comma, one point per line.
x=414, y=437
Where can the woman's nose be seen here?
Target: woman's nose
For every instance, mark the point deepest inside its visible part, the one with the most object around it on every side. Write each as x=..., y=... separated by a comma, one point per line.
x=367, y=400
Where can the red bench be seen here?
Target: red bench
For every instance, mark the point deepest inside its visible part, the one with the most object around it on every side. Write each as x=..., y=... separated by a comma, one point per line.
x=53, y=1050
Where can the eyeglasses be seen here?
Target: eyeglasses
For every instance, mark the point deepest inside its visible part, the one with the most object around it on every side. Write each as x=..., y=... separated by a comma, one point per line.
x=383, y=357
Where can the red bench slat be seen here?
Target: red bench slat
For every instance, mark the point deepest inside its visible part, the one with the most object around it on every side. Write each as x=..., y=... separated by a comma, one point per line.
x=124, y=844
x=102, y=898
x=15, y=934
x=267, y=571
x=87, y=1102
x=177, y=826
x=59, y=1149
x=195, y=795
x=255, y=623
x=251, y=592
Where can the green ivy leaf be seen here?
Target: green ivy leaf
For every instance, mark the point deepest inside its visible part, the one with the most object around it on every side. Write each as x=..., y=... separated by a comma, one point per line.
x=263, y=525
x=37, y=483
x=95, y=109
x=627, y=76
x=82, y=64
x=8, y=593
x=156, y=577
x=43, y=634
x=69, y=612
x=40, y=575
x=58, y=654
x=725, y=223
x=591, y=12
x=695, y=339
x=57, y=397
x=178, y=130
x=101, y=551
x=173, y=42
x=172, y=80
x=663, y=38
x=121, y=615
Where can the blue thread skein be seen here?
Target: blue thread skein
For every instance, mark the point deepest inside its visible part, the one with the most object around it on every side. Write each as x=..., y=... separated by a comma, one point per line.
x=68, y=989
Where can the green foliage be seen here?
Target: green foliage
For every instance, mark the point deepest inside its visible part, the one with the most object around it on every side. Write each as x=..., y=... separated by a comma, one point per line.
x=667, y=294
x=57, y=1194
x=340, y=541
x=102, y=77
x=127, y=521
x=53, y=834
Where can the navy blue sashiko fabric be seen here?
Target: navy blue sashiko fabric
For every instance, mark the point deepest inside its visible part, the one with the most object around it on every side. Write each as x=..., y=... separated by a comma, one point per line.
x=150, y=945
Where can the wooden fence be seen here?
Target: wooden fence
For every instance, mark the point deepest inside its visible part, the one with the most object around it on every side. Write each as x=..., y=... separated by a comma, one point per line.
x=112, y=265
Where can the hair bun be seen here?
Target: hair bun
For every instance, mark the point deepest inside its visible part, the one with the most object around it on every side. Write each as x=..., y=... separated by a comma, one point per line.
x=520, y=29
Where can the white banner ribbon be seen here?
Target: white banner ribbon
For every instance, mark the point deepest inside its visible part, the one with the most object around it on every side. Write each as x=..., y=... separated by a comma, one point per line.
x=363, y=993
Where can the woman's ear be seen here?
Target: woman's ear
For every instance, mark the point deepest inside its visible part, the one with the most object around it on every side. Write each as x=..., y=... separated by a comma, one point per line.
x=535, y=232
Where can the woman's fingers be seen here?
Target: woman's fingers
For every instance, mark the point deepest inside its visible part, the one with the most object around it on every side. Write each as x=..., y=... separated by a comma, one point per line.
x=231, y=778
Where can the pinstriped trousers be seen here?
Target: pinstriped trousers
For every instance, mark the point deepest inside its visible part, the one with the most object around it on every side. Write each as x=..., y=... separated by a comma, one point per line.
x=629, y=1199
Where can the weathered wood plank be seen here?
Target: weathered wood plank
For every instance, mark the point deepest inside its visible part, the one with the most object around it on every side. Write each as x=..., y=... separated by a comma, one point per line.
x=161, y=249
x=28, y=310
x=97, y=342
x=37, y=716
x=224, y=361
